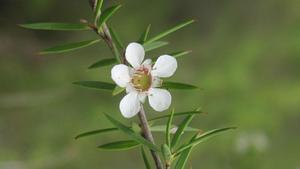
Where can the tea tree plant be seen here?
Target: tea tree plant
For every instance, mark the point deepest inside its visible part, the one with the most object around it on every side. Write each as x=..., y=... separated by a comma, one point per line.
x=140, y=79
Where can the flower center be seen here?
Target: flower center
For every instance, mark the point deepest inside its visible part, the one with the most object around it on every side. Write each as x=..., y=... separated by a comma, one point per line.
x=141, y=79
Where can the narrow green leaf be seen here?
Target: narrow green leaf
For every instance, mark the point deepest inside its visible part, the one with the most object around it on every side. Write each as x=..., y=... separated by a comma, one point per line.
x=94, y=132
x=169, y=31
x=145, y=159
x=132, y=134
x=107, y=14
x=181, y=129
x=103, y=62
x=167, y=154
x=144, y=36
x=198, y=111
x=183, y=158
x=98, y=10
x=180, y=53
x=116, y=38
x=181, y=162
x=56, y=26
x=179, y=86
x=162, y=128
x=69, y=47
x=204, y=137
x=117, y=90
x=168, y=128
x=119, y=145
x=96, y=85
x=174, y=54
x=154, y=45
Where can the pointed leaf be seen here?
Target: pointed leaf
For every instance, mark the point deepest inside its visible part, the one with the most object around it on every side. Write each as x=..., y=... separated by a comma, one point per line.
x=154, y=45
x=98, y=9
x=204, y=137
x=107, y=14
x=145, y=159
x=103, y=62
x=179, y=86
x=168, y=128
x=96, y=85
x=181, y=162
x=162, y=128
x=167, y=32
x=180, y=53
x=144, y=36
x=198, y=111
x=119, y=145
x=132, y=134
x=69, y=47
x=181, y=129
x=116, y=38
x=174, y=54
x=94, y=132
x=56, y=26
x=117, y=90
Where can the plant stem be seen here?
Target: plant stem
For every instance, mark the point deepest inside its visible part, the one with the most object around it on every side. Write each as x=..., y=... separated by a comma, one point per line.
x=148, y=135
x=106, y=36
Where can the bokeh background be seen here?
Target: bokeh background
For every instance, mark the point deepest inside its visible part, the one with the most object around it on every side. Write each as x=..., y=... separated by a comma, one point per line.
x=246, y=59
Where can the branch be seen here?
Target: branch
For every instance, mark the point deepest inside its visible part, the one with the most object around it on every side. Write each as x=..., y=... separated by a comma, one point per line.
x=106, y=36
x=148, y=135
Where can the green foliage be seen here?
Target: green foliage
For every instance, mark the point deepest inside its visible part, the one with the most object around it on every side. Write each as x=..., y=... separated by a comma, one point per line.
x=167, y=154
x=168, y=127
x=98, y=10
x=116, y=38
x=106, y=15
x=181, y=129
x=169, y=31
x=119, y=145
x=180, y=53
x=94, y=132
x=109, y=35
x=179, y=86
x=96, y=85
x=183, y=157
x=129, y=132
x=197, y=111
x=144, y=36
x=56, y=26
x=162, y=128
x=204, y=137
x=145, y=159
x=154, y=45
x=117, y=90
x=69, y=47
x=103, y=62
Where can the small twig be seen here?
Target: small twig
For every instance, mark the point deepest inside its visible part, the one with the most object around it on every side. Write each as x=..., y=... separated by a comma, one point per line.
x=148, y=135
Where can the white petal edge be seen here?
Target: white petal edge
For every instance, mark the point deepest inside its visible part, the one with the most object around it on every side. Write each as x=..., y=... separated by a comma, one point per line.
x=130, y=105
x=135, y=54
x=165, y=66
x=120, y=75
x=159, y=99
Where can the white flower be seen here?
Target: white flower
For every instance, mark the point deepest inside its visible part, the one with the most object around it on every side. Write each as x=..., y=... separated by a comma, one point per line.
x=141, y=80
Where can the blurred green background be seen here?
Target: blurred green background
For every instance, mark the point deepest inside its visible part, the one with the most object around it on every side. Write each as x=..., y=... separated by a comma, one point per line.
x=246, y=58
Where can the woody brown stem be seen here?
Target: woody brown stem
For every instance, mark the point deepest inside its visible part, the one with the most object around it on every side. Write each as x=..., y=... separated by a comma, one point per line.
x=148, y=135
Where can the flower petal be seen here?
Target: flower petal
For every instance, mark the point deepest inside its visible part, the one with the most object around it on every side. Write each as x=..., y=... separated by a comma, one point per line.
x=159, y=99
x=165, y=66
x=135, y=54
x=147, y=64
x=120, y=75
x=130, y=105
